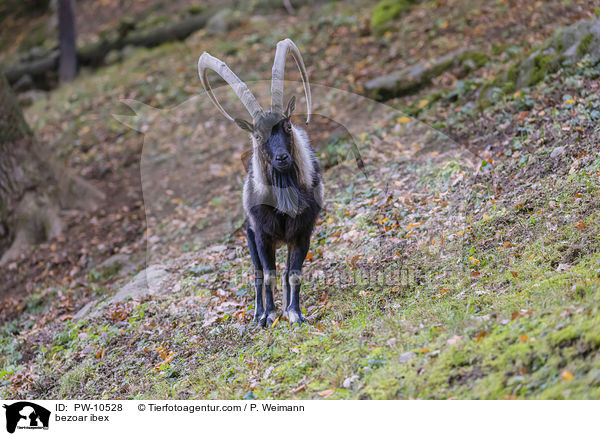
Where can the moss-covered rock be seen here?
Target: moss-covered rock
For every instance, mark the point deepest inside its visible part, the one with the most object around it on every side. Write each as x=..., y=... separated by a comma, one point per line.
x=414, y=77
x=474, y=59
x=535, y=68
x=565, y=48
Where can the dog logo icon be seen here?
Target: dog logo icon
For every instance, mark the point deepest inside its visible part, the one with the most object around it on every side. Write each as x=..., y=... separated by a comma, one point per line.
x=26, y=415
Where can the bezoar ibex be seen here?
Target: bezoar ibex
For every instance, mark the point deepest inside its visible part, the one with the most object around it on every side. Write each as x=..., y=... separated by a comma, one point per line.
x=283, y=190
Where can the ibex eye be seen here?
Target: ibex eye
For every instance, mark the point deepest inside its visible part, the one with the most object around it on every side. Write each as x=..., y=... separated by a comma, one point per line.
x=287, y=126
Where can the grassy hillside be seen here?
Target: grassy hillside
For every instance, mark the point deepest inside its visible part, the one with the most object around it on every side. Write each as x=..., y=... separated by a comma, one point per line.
x=483, y=218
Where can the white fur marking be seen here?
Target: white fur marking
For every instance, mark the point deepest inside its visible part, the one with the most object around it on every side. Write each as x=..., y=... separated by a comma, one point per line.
x=295, y=279
x=320, y=193
x=302, y=154
x=258, y=178
x=245, y=200
x=271, y=279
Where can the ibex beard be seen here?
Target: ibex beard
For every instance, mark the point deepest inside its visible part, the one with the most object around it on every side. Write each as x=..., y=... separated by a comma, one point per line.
x=283, y=190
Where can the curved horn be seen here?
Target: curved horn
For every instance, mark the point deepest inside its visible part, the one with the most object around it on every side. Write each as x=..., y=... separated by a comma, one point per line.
x=207, y=62
x=278, y=72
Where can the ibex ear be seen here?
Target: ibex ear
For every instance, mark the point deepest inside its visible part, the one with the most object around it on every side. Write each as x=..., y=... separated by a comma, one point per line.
x=244, y=125
x=290, y=107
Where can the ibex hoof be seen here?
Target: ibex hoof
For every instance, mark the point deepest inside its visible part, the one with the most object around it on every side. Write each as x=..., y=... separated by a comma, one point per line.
x=267, y=319
x=257, y=317
x=294, y=316
x=271, y=317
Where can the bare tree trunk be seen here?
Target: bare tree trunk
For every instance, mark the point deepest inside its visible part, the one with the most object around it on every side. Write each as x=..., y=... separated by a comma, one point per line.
x=33, y=186
x=66, y=37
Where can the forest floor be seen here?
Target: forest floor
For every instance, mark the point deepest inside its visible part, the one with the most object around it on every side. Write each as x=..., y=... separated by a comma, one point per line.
x=464, y=262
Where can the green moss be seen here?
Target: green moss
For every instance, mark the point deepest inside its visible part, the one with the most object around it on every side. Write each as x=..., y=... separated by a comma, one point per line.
x=512, y=75
x=195, y=9
x=387, y=10
x=508, y=81
x=508, y=87
x=584, y=44
x=478, y=58
x=542, y=65
x=564, y=336
x=559, y=45
x=592, y=336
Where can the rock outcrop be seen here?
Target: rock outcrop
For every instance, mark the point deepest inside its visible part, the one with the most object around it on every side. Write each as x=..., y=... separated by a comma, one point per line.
x=410, y=79
x=564, y=49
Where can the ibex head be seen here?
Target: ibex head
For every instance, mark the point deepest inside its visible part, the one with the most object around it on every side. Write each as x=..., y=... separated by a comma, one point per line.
x=270, y=130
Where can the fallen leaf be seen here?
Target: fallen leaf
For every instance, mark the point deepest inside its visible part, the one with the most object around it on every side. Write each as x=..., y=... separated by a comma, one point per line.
x=298, y=389
x=168, y=359
x=566, y=375
x=326, y=393
x=355, y=259
x=412, y=226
